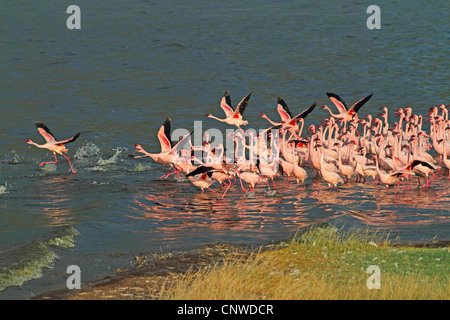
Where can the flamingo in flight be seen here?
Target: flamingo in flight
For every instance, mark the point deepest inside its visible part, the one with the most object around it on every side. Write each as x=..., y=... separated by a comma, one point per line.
x=287, y=120
x=168, y=149
x=234, y=117
x=345, y=113
x=52, y=143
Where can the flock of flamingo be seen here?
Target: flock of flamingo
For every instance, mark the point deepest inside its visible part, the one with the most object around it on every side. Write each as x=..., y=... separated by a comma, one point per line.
x=343, y=146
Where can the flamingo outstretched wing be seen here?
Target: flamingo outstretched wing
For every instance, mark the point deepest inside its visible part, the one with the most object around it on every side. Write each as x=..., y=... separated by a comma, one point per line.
x=225, y=104
x=303, y=114
x=243, y=104
x=199, y=170
x=164, y=136
x=45, y=132
x=179, y=145
x=75, y=137
x=360, y=103
x=338, y=102
x=415, y=163
x=283, y=110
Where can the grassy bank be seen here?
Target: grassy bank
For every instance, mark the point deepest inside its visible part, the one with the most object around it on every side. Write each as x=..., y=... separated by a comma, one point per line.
x=319, y=263
x=322, y=263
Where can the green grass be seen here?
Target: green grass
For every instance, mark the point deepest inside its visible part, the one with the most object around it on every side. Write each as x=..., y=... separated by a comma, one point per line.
x=322, y=263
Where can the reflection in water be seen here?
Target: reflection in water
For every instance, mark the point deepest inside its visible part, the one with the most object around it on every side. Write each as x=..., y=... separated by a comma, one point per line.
x=53, y=197
x=183, y=207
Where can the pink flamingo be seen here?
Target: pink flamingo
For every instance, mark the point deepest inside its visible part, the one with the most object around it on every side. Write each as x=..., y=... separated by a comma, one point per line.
x=52, y=144
x=287, y=121
x=345, y=114
x=168, y=149
x=234, y=117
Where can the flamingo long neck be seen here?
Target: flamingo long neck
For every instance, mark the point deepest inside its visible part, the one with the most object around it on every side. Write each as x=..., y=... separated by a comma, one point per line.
x=218, y=119
x=35, y=144
x=377, y=166
x=445, y=148
x=272, y=122
x=330, y=134
x=331, y=113
x=339, y=157
x=386, y=125
x=301, y=128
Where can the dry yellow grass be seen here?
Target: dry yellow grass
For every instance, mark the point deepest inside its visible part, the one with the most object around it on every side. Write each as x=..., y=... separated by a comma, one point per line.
x=321, y=264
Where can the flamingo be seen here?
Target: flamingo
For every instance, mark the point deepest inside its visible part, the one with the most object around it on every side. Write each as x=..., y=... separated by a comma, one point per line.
x=346, y=170
x=445, y=158
x=345, y=114
x=201, y=177
x=52, y=144
x=234, y=117
x=251, y=178
x=389, y=179
x=331, y=177
x=168, y=149
x=269, y=170
x=299, y=173
x=287, y=121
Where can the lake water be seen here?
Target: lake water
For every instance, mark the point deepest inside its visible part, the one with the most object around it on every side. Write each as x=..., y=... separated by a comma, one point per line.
x=133, y=64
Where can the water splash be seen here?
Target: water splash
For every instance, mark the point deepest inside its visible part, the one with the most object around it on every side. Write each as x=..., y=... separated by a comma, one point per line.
x=111, y=160
x=3, y=189
x=140, y=167
x=271, y=193
x=87, y=151
x=49, y=167
x=98, y=169
x=14, y=158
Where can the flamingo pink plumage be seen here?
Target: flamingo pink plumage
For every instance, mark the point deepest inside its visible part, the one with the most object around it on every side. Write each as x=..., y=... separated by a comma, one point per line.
x=52, y=143
x=234, y=117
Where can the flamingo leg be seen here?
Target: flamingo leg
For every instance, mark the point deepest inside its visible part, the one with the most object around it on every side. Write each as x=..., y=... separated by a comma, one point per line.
x=56, y=161
x=242, y=186
x=427, y=184
x=398, y=185
x=434, y=177
x=267, y=181
x=211, y=189
x=226, y=190
x=167, y=174
x=70, y=164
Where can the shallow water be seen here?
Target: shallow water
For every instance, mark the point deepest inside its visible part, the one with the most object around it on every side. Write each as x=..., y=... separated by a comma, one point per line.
x=133, y=65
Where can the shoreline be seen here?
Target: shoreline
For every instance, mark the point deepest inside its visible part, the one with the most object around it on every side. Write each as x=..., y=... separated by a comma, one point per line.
x=150, y=276
x=151, y=273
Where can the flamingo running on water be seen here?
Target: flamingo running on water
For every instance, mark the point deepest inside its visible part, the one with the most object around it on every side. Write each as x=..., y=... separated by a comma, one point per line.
x=168, y=149
x=52, y=144
x=234, y=117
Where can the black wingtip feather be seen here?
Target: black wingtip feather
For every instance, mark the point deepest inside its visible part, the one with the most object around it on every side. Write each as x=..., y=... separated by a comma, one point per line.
x=201, y=169
x=283, y=104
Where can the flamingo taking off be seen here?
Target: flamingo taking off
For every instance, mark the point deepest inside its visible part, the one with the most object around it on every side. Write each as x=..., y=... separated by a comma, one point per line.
x=167, y=156
x=345, y=113
x=234, y=117
x=52, y=143
x=287, y=120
